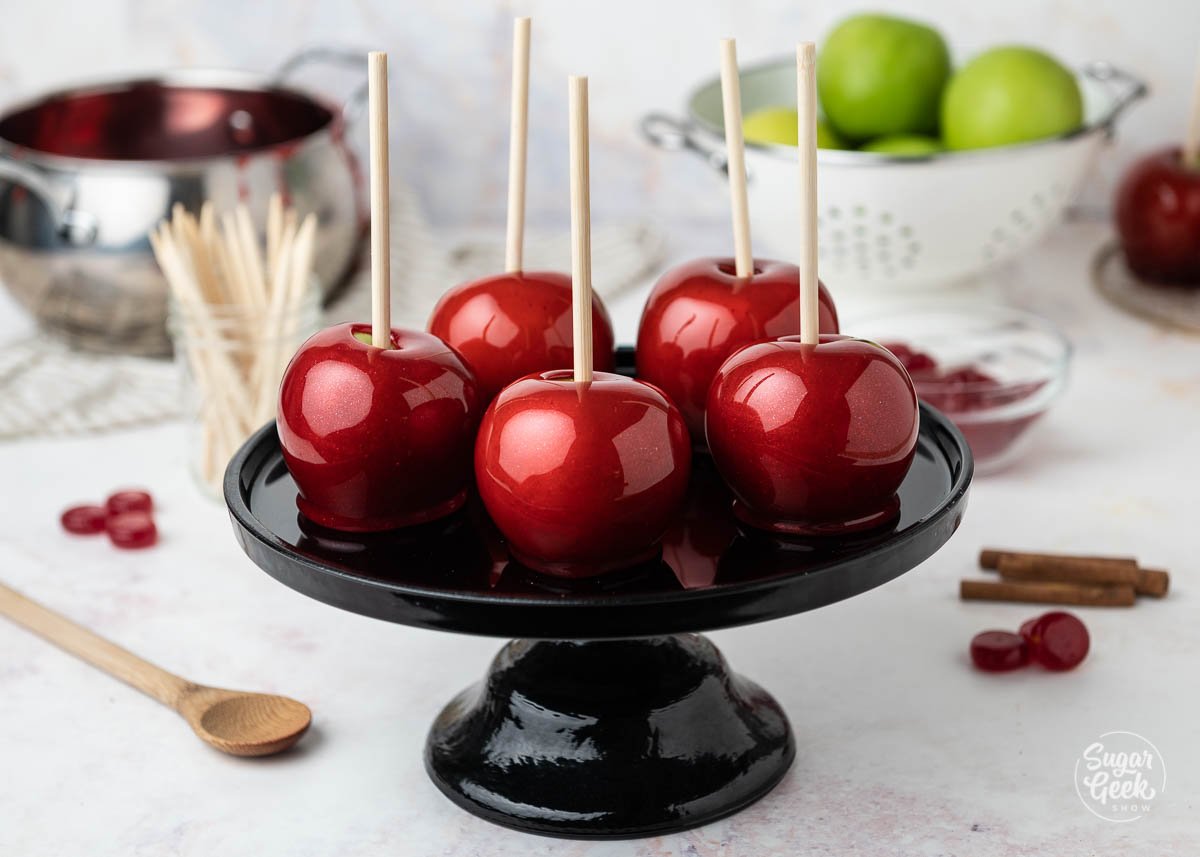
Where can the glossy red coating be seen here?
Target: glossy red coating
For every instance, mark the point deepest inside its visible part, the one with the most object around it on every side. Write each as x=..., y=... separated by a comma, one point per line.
x=377, y=438
x=512, y=325
x=999, y=651
x=813, y=439
x=582, y=479
x=1057, y=640
x=129, y=500
x=132, y=530
x=1157, y=214
x=84, y=520
x=700, y=312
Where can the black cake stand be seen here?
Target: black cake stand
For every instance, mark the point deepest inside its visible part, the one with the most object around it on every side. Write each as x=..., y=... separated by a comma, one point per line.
x=606, y=717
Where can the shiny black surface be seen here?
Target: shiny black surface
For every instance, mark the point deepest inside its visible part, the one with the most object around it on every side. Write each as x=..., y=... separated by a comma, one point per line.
x=456, y=575
x=609, y=739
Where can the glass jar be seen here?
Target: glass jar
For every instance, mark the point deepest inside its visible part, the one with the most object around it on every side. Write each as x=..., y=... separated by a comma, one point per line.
x=231, y=358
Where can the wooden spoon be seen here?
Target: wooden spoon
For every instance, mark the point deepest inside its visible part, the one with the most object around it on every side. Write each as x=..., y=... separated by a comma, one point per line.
x=233, y=721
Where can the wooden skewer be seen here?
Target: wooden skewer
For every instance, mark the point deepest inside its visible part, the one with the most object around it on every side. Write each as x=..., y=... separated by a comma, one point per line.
x=211, y=244
x=213, y=370
x=236, y=357
x=251, y=260
x=274, y=234
x=735, y=145
x=381, y=263
x=239, y=276
x=581, y=230
x=1191, y=140
x=806, y=108
x=518, y=136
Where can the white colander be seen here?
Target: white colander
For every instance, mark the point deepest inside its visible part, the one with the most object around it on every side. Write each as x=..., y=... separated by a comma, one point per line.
x=888, y=223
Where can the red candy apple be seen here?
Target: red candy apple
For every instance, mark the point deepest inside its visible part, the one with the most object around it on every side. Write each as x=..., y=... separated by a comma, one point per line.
x=512, y=325
x=582, y=478
x=701, y=312
x=813, y=439
x=377, y=438
x=1158, y=218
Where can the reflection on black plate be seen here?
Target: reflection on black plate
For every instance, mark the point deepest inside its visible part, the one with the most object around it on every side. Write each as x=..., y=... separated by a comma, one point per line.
x=713, y=571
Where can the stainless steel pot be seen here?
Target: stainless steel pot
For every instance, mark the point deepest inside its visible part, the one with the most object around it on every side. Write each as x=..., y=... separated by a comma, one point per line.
x=85, y=173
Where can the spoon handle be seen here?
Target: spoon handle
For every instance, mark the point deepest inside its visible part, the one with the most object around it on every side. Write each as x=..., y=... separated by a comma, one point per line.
x=153, y=681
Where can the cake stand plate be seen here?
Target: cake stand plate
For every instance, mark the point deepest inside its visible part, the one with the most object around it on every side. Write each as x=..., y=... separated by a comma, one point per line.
x=607, y=717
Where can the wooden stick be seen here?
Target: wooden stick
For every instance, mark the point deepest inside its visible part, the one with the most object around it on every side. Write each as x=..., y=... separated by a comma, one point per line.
x=518, y=137
x=581, y=230
x=239, y=276
x=1083, y=595
x=806, y=108
x=1191, y=140
x=209, y=363
x=274, y=234
x=212, y=247
x=251, y=257
x=381, y=261
x=735, y=146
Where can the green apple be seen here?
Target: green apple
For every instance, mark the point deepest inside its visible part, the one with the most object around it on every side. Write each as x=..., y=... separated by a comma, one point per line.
x=1010, y=95
x=778, y=126
x=879, y=75
x=905, y=145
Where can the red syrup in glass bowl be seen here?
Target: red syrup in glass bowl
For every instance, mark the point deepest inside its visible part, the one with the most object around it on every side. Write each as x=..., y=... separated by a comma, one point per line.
x=992, y=414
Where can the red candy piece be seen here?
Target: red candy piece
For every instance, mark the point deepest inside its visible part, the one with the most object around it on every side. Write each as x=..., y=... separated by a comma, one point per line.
x=1057, y=640
x=132, y=530
x=84, y=520
x=133, y=500
x=999, y=651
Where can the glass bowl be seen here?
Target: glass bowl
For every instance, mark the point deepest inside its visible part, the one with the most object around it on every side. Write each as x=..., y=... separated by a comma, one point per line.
x=992, y=370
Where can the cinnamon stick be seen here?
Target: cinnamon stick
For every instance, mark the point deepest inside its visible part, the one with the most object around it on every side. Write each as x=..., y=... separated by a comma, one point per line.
x=1038, y=592
x=1014, y=565
x=991, y=557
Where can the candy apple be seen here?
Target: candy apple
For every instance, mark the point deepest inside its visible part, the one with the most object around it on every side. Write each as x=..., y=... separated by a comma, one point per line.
x=1158, y=218
x=377, y=438
x=512, y=325
x=700, y=312
x=582, y=478
x=813, y=439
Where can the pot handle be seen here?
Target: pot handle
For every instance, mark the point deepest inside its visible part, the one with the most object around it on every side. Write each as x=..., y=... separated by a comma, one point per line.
x=72, y=225
x=667, y=132
x=1125, y=89
x=354, y=106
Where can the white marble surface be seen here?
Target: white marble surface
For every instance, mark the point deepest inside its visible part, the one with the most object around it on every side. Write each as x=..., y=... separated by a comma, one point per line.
x=903, y=748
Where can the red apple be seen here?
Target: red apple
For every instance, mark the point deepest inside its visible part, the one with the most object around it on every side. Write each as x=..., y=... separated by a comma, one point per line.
x=582, y=478
x=377, y=438
x=1158, y=218
x=512, y=325
x=813, y=439
x=700, y=312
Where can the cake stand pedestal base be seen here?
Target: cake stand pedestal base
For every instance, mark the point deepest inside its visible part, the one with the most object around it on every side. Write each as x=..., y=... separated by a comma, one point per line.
x=609, y=739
